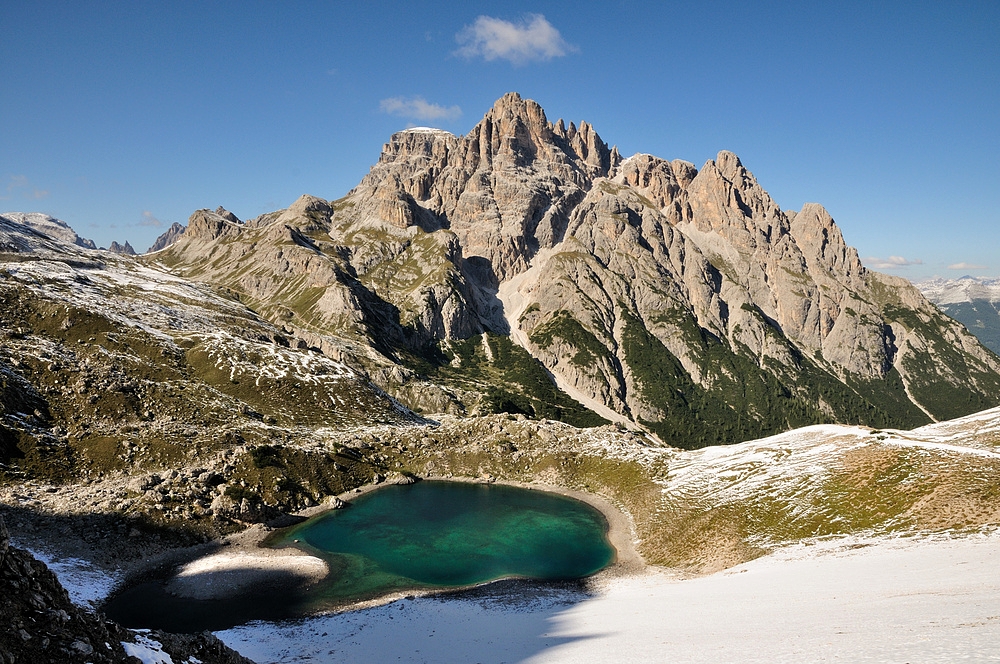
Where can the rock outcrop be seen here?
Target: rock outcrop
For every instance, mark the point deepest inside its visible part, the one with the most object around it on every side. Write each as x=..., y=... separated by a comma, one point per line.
x=42, y=625
x=167, y=238
x=123, y=249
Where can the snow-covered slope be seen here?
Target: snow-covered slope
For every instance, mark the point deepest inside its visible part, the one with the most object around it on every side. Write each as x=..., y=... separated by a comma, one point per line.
x=109, y=363
x=54, y=228
x=723, y=505
x=882, y=548
x=899, y=601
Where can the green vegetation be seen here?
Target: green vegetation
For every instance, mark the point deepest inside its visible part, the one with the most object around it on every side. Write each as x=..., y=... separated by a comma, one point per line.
x=266, y=456
x=285, y=475
x=513, y=382
x=530, y=309
x=746, y=401
x=939, y=375
x=563, y=326
x=981, y=318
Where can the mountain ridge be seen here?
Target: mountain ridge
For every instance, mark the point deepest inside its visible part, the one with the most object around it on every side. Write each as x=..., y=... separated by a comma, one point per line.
x=649, y=272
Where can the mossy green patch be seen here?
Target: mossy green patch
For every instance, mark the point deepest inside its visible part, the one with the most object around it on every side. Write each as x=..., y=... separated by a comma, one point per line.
x=744, y=400
x=562, y=325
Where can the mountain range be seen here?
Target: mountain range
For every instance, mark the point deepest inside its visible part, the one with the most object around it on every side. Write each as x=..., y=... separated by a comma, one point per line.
x=527, y=268
x=679, y=300
x=974, y=302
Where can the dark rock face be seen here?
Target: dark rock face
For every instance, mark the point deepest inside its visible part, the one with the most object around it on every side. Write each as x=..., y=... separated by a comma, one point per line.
x=168, y=238
x=125, y=250
x=42, y=625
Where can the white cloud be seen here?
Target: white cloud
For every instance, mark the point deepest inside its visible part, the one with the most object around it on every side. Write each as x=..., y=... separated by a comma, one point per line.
x=890, y=263
x=966, y=266
x=418, y=108
x=149, y=220
x=533, y=38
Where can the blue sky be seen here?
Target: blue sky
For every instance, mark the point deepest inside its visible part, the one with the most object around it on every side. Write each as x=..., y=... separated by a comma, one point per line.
x=121, y=118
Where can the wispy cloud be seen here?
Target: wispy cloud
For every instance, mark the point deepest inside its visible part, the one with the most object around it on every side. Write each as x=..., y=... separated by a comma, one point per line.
x=891, y=263
x=149, y=220
x=21, y=184
x=17, y=181
x=418, y=108
x=966, y=266
x=533, y=38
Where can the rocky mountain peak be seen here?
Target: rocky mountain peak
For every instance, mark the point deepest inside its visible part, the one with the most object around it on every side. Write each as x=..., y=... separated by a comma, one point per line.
x=727, y=200
x=167, y=238
x=656, y=179
x=511, y=109
x=419, y=143
x=517, y=132
x=209, y=225
x=122, y=249
x=227, y=215
x=729, y=165
x=308, y=213
x=632, y=281
x=821, y=242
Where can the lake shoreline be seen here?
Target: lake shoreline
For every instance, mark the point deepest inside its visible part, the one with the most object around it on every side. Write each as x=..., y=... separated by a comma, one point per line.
x=244, y=558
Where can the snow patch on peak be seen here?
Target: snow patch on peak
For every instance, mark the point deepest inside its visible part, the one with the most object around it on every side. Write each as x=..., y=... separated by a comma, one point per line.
x=638, y=155
x=964, y=289
x=427, y=130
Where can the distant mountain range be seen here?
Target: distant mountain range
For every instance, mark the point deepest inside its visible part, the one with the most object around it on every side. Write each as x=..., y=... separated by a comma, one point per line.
x=972, y=301
x=50, y=226
x=59, y=229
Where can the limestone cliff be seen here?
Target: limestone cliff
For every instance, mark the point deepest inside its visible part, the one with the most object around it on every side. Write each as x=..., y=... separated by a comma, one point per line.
x=680, y=299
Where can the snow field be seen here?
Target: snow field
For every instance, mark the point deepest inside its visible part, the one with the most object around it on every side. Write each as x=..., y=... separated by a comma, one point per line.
x=903, y=600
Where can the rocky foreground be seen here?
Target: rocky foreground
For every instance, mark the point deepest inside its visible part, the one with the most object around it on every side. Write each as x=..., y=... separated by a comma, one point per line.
x=43, y=625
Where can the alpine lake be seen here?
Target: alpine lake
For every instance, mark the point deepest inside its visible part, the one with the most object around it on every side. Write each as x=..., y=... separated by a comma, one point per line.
x=429, y=536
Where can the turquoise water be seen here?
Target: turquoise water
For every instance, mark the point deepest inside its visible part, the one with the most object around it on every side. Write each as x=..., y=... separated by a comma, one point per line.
x=451, y=534
x=430, y=535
